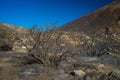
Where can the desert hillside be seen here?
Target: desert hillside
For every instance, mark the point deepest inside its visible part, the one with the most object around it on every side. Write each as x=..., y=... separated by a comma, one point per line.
x=87, y=48
x=8, y=34
x=107, y=16
x=12, y=28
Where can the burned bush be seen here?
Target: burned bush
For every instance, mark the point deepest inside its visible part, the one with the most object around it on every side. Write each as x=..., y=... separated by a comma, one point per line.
x=45, y=46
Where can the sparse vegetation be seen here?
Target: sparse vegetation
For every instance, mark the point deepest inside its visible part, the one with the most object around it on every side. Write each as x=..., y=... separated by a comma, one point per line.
x=98, y=44
x=6, y=39
x=90, y=51
x=49, y=49
x=45, y=46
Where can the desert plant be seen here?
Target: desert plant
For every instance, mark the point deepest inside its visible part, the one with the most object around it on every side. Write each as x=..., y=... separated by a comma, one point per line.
x=98, y=44
x=45, y=46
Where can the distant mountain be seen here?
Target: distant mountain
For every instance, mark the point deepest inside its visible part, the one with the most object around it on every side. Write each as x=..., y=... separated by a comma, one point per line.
x=105, y=17
x=11, y=28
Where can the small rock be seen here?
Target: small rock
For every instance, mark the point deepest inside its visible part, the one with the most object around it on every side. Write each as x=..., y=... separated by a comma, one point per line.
x=80, y=73
x=101, y=66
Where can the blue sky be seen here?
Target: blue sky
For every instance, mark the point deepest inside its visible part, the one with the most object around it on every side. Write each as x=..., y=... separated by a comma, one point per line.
x=40, y=12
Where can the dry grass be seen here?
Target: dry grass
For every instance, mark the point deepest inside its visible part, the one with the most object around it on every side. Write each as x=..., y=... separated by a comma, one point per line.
x=6, y=70
x=9, y=71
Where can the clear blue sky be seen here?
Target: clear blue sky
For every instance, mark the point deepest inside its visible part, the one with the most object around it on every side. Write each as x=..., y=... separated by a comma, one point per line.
x=34, y=12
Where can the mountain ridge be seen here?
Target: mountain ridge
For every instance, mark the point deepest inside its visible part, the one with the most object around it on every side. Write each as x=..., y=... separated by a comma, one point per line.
x=107, y=16
x=12, y=28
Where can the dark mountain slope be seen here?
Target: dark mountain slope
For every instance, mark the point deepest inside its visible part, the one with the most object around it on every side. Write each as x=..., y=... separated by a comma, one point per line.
x=108, y=16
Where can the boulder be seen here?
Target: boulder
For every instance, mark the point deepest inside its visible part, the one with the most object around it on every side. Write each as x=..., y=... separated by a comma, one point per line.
x=101, y=66
x=80, y=73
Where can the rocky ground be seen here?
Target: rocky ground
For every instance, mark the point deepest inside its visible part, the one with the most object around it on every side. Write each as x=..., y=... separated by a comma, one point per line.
x=78, y=67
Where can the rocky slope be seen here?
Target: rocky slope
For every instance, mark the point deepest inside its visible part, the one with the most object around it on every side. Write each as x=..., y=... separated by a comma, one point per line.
x=107, y=16
x=12, y=28
x=8, y=34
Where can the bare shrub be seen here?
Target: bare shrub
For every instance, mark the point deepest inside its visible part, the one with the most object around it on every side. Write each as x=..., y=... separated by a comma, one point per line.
x=45, y=46
x=99, y=44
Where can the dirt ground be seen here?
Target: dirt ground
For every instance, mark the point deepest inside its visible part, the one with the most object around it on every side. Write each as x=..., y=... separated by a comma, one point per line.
x=11, y=67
